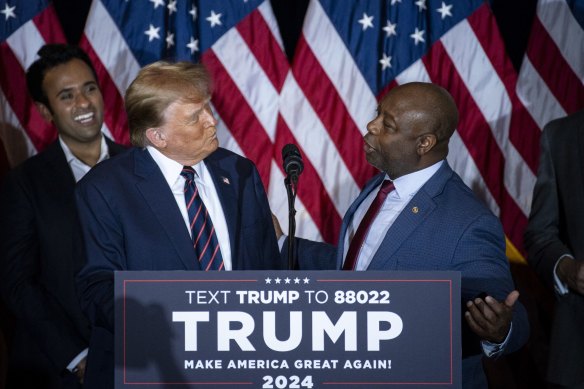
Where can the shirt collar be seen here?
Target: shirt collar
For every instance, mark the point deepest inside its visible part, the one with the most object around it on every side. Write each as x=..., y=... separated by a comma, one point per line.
x=409, y=184
x=170, y=168
x=70, y=157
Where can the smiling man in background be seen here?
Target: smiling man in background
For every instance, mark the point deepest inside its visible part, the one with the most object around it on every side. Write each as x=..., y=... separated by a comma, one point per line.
x=41, y=246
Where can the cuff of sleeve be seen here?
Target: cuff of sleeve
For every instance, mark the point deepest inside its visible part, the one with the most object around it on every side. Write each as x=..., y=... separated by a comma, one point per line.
x=493, y=350
x=560, y=287
x=72, y=366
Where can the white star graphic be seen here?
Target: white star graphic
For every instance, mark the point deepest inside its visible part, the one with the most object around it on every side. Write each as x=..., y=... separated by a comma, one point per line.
x=277, y=280
x=418, y=36
x=421, y=4
x=193, y=12
x=287, y=280
x=152, y=33
x=366, y=21
x=171, y=6
x=385, y=62
x=157, y=3
x=193, y=45
x=169, y=40
x=390, y=29
x=395, y=1
x=268, y=280
x=214, y=19
x=444, y=11
x=8, y=12
x=296, y=280
x=306, y=280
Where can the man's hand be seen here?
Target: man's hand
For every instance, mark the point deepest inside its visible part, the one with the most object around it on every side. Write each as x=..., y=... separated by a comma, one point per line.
x=489, y=318
x=571, y=272
x=277, y=227
x=80, y=370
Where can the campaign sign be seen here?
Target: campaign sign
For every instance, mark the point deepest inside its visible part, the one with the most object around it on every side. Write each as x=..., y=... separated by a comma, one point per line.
x=288, y=329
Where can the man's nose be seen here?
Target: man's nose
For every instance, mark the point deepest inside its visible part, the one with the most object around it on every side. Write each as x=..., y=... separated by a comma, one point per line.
x=82, y=100
x=209, y=117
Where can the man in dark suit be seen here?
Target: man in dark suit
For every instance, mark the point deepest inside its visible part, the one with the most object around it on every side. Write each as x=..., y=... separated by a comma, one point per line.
x=554, y=239
x=136, y=209
x=428, y=219
x=41, y=247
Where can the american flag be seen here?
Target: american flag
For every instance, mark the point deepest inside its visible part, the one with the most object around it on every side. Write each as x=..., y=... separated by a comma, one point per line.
x=23, y=30
x=349, y=54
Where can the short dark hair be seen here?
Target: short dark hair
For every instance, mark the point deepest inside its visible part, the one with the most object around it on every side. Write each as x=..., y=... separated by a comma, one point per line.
x=51, y=56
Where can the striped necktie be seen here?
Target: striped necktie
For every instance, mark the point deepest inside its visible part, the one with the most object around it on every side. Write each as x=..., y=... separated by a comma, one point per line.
x=204, y=237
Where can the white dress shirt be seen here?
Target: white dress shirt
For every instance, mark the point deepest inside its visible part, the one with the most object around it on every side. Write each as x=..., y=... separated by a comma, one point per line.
x=405, y=188
x=171, y=171
x=78, y=167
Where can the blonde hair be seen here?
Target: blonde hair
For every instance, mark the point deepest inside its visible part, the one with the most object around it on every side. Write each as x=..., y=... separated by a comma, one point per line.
x=156, y=87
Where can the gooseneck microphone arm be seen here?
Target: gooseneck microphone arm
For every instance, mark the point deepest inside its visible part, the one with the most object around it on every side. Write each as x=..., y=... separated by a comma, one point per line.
x=293, y=166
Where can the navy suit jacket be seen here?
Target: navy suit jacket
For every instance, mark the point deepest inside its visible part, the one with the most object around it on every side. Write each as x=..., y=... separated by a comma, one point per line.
x=131, y=222
x=443, y=227
x=41, y=250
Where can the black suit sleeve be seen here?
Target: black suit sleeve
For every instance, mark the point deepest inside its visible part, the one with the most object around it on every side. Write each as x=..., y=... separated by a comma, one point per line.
x=542, y=236
x=23, y=277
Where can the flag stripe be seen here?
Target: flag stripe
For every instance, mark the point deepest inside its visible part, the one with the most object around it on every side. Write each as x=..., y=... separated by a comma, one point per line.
x=565, y=31
x=259, y=38
x=535, y=95
x=472, y=127
x=561, y=80
x=315, y=197
x=114, y=117
x=332, y=112
x=13, y=81
x=317, y=147
x=252, y=139
x=250, y=79
x=338, y=63
x=523, y=131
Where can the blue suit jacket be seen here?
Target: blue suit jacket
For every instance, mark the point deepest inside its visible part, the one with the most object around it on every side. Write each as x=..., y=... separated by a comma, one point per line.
x=131, y=221
x=444, y=227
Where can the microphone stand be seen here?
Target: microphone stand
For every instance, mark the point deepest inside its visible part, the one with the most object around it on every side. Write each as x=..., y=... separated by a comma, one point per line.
x=291, y=183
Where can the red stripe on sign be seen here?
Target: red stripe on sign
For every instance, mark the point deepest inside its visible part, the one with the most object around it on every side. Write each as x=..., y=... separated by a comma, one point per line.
x=320, y=91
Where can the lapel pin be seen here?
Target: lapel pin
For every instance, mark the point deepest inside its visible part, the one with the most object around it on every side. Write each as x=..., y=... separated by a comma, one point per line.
x=225, y=180
x=415, y=210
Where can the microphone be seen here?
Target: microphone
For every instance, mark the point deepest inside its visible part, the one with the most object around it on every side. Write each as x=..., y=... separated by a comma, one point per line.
x=292, y=161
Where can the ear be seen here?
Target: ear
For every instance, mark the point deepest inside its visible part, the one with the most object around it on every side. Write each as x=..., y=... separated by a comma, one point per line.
x=425, y=143
x=44, y=111
x=156, y=137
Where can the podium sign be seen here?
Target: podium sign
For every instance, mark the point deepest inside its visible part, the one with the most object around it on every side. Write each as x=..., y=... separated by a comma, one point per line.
x=287, y=329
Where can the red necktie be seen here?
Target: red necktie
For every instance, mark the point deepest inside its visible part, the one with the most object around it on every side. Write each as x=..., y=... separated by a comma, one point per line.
x=359, y=238
x=204, y=237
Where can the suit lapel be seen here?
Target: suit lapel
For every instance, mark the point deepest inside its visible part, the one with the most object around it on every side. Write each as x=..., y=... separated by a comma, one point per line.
x=158, y=196
x=413, y=214
x=224, y=184
x=371, y=185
